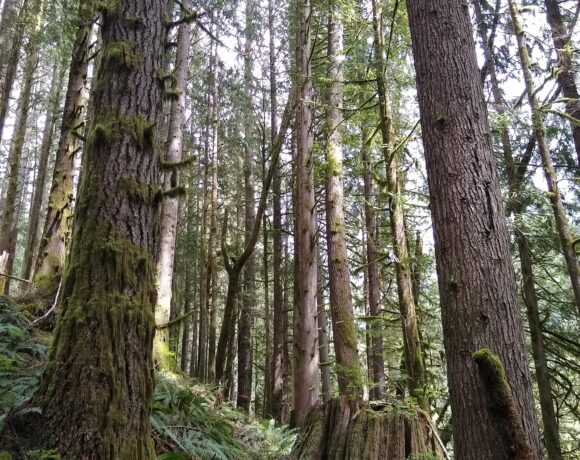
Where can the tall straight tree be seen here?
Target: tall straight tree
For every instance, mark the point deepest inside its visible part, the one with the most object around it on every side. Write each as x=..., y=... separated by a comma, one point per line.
x=8, y=244
x=374, y=288
x=45, y=149
x=279, y=332
x=414, y=366
x=560, y=218
x=171, y=191
x=13, y=34
x=52, y=248
x=475, y=275
x=96, y=390
x=249, y=275
x=343, y=327
x=305, y=338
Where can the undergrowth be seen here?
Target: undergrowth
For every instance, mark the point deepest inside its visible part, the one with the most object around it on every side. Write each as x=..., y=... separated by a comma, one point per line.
x=188, y=419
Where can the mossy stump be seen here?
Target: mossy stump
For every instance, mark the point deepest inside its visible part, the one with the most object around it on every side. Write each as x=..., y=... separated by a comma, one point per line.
x=348, y=429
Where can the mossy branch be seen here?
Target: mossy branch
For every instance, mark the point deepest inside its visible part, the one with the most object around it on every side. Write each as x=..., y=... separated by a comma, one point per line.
x=175, y=191
x=502, y=405
x=168, y=165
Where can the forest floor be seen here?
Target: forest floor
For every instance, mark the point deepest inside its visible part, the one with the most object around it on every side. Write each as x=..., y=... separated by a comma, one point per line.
x=188, y=419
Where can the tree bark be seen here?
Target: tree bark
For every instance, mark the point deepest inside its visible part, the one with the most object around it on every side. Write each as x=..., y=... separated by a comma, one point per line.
x=52, y=249
x=171, y=194
x=7, y=242
x=97, y=387
x=346, y=429
x=343, y=327
x=279, y=332
x=305, y=337
x=374, y=290
x=414, y=365
x=560, y=218
x=475, y=275
x=566, y=79
x=8, y=75
x=45, y=149
x=323, y=347
x=213, y=235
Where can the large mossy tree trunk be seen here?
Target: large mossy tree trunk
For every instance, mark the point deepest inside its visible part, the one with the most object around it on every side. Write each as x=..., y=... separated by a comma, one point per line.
x=97, y=387
x=346, y=429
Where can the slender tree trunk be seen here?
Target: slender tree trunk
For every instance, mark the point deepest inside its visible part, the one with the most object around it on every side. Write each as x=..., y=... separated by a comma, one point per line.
x=343, y=327
x=12, y=53
x=8, y=25
x=7, y=243
x=414, y=365
x=45, y=149
x=213, y=238
x=52, y=249
x=267, y=311
x=374, y=289
x=305, y=337
x=96, y=390
x=476, y=279
x=279, y=333
x=171, y=194
x=564, y=49
x=249, y=275
x=562, y=225
x=323, y=347
x=516, y=175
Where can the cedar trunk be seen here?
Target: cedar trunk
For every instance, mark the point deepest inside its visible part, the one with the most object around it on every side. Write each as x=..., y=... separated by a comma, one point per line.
x=305, y=339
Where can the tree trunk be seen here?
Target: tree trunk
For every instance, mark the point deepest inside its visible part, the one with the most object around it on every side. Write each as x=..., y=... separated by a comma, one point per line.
x=45, y=149
x=171, y=194
x=566, y=79
x=562, y=225
x=305, y=338
x=8, y=26
x=52, y=249
x=279, y=332
x=249, y=284
x=7, y=242
x=414, y=365
x=213, y=235
x=515, y=175
x=343, y=327
x=96, y=390
x=346, y=429
x=374, y=290
x=476, y=279
x=11, y=52
x=267, y=311
x=323, y=347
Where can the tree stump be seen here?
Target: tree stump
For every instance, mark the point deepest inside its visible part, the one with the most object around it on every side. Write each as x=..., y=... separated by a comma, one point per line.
x=346, y=429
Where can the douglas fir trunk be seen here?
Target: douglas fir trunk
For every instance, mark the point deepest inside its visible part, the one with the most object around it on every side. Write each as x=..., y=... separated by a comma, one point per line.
x=97, y=387
x=476, y=279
